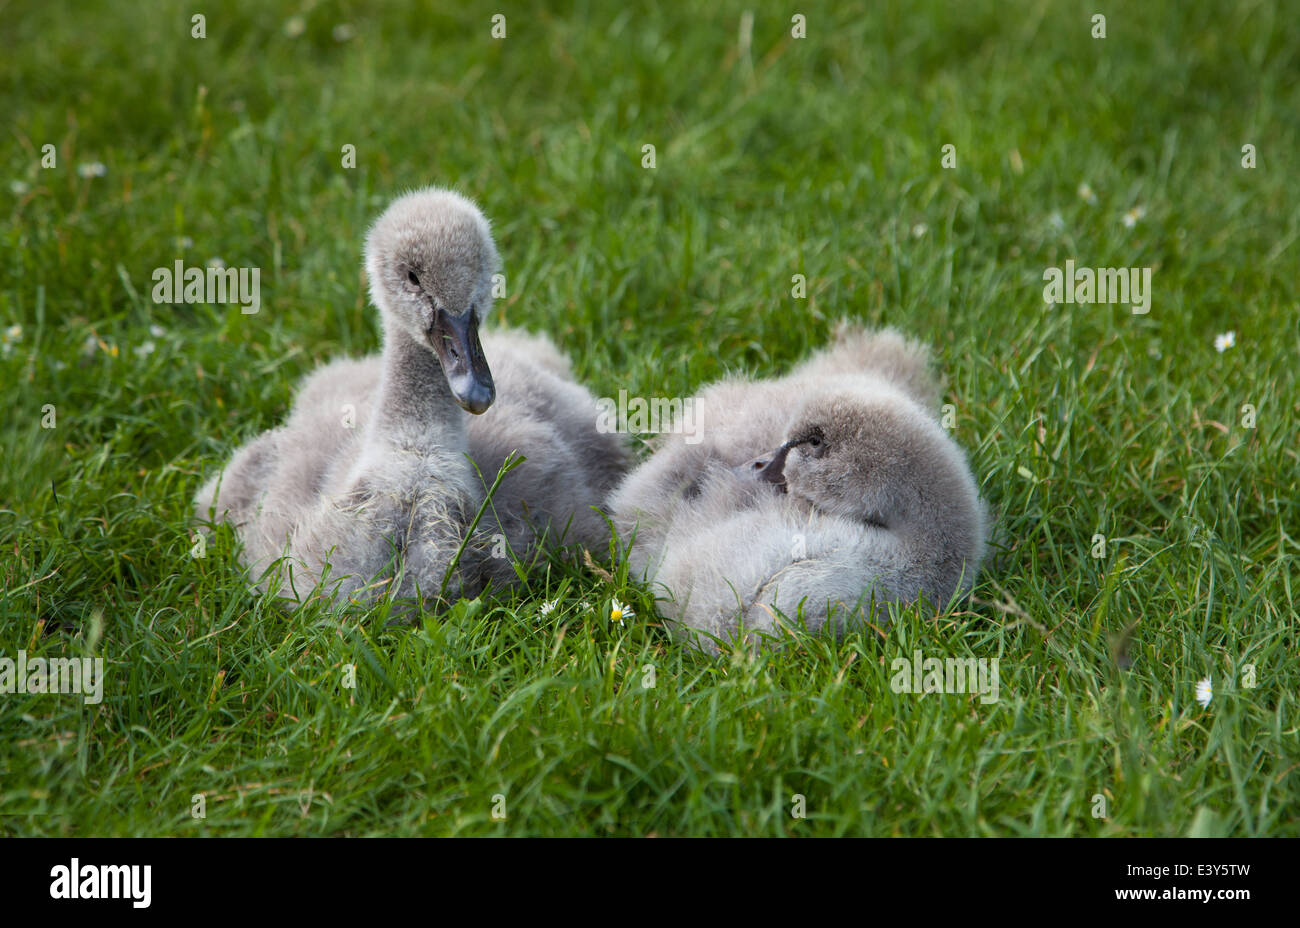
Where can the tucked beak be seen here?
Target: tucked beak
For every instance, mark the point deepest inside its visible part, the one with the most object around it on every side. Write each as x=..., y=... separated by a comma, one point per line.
x=455, y=341
x=769, y=467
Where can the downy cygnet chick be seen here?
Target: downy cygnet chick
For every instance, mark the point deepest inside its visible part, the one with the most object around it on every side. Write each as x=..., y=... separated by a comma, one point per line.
x=863, y=500
x=737, y=418
x=372, y=474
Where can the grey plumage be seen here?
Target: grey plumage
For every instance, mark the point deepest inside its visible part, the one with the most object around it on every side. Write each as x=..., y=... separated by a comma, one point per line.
x=870, y=501
x=372, y=474
x=569, y=466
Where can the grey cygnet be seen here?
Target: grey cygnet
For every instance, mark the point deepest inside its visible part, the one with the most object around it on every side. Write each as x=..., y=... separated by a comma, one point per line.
x=822, y=496
x=372, y=474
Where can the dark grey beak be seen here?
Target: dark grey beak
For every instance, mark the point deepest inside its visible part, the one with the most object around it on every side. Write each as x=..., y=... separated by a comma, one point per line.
x=455, y=341
x=769, y=467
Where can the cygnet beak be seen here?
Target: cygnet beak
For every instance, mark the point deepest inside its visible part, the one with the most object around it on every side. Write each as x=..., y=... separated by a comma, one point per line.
x=769, y=467
x=455, y=340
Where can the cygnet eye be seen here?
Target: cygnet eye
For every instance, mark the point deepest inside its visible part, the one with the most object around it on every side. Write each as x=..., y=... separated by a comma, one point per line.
x=410, y=276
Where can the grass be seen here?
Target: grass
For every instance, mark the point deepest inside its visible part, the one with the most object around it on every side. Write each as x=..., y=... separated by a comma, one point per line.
x=775, y=157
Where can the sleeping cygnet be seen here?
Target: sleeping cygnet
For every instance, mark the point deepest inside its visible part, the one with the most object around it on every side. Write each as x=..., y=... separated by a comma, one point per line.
x=864, y=500
x=737, y=418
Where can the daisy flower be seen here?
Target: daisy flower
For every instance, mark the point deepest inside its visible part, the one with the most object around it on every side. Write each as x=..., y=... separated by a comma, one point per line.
x=618, y=612
x=1087, y=195
x=1132, y=216
x=11, y=335
x=1204, y=691
x=1225, y=341
x=94, y=344
x=547, y=607
x=92, y=169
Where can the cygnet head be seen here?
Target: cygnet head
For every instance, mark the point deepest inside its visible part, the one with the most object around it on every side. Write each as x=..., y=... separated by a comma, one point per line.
x=430, y=259
x=877, y=457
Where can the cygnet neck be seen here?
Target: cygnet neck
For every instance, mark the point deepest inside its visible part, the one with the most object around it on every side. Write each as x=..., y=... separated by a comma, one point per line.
x=414, y=398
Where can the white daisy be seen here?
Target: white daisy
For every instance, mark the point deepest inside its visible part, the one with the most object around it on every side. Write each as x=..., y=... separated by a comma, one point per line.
x=94, y=344
x=1204, y=691
x=145, y=349
x=157, y=331
x=1225, y=341
x=1086, y=194
x=295, y=26
x=18, y=187
x=92, y=169
x=11, y=335
x=1132, y=217
x=547, y=607
x=618, y=612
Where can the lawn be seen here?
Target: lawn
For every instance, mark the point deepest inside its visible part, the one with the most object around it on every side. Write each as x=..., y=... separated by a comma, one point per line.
x=774, y=156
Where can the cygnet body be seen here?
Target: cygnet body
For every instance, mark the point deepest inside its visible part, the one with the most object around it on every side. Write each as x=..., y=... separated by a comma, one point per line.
x=371, y=474
x=822, y=496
